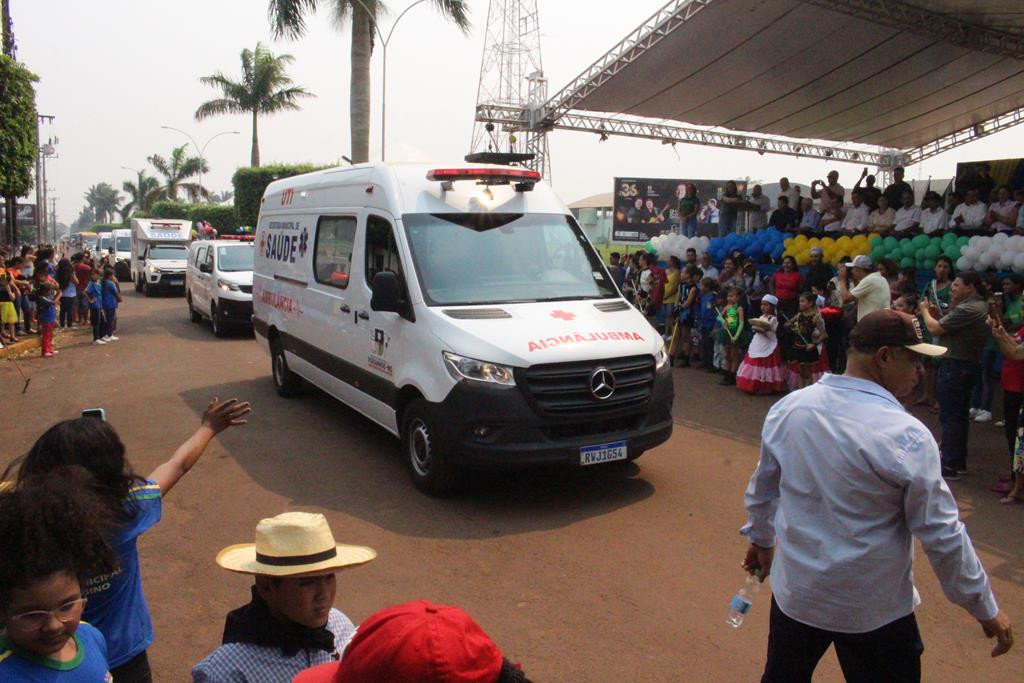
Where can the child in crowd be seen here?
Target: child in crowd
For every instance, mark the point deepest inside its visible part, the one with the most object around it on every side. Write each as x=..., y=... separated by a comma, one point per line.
x=760, y=373
x=117, y=605
x=46, y=316
x=808, y=332
x=731, y=334
x=906, y=303
x=94, y=296
x=686, y=303
x=68, y=283
x=111, y=297
x=906, y=282
x=8, y=313
x=708, y=320
x=53, y=535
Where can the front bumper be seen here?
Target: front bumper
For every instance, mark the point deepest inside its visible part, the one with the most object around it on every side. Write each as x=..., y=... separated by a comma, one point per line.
x=235, y=312
x=164, y=280
x=518, y=437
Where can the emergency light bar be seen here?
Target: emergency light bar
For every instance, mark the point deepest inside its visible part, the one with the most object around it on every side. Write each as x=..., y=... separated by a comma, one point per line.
x=487, y=176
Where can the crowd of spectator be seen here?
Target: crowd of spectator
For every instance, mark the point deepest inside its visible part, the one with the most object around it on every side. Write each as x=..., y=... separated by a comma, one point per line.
x=43, y=290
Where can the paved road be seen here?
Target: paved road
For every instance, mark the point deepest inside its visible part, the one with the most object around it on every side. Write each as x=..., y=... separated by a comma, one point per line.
x=600, y=575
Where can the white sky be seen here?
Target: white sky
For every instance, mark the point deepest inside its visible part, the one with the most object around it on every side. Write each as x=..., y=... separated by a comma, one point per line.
x=114, y=71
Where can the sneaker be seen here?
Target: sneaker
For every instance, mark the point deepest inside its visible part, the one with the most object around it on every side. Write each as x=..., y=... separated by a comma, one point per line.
x=950, y=475
x=983, y=416
x=47, y=355
x=106, y=339
x=973, y=413
x=962, y=469
x=1000, y=423
x=98, y=341
x=113, y=338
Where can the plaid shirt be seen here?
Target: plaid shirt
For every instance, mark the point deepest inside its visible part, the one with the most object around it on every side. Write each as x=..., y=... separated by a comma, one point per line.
x=245, y=663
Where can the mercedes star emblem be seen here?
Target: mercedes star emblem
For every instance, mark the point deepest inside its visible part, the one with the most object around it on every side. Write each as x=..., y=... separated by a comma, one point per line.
x=602, y=384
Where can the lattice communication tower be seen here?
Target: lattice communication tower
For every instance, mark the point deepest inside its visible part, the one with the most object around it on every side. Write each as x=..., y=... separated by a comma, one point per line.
x=512, y=75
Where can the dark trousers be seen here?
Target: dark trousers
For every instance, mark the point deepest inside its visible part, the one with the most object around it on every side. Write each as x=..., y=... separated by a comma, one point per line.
x=707, y=349
x=67, y=307
x=890, y=654
x=985, y=390
x=1012, y=401
x=109, y=314
x=954, y=382
x=27, y=308
x=96, y=318
x=136, y=670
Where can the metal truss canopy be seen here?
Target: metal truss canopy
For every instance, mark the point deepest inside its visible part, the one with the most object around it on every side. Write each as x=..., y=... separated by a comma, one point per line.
x=902, y=79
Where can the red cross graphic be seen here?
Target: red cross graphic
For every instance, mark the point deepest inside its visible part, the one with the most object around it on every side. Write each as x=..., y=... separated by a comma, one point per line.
x=563, y=315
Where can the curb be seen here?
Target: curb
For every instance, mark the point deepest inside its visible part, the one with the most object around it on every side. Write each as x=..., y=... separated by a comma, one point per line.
x=61, y=339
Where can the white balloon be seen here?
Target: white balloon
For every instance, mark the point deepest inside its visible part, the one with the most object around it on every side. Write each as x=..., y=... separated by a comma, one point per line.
x=1000, y=237
x=986, y=260
x=963, y=263
x=1018, y=263
x=970, y=253
x=973, y=241
x=1006, y=258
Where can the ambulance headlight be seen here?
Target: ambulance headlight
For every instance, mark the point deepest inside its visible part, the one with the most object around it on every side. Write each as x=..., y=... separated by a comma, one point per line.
x=154, y=270
x=660, y=358
x=460, y=368
x=227, y=286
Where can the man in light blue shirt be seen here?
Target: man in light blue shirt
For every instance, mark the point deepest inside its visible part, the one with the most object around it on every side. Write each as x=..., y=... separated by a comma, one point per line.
x=845, y=491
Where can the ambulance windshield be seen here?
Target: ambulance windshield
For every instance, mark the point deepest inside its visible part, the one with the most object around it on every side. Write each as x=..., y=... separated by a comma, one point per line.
x=465, y=259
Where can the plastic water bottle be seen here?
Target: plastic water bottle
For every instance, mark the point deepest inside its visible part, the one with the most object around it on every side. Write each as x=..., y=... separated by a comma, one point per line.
x=744, y=598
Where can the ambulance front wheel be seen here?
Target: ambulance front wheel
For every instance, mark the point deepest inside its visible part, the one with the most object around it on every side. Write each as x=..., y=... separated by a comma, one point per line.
x=286, y=382
x=428, y=457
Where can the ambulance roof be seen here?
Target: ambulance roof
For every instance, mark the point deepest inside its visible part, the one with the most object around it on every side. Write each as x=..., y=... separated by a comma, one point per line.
x=404, y=188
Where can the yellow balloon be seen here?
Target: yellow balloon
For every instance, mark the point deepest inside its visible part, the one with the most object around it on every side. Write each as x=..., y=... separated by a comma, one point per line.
x=803, y=258
x=801, y=239
x=787, y=242
x=827, y=242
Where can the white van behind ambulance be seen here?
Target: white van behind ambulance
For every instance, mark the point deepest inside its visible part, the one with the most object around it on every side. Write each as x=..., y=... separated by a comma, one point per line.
x=159, y=254
x=462, y=309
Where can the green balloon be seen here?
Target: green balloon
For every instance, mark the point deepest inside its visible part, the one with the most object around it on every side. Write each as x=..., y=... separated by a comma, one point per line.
x=949, y=238
x=907, y=262
x=877, y=255
x=920, y=241
x=952, y=251
x=932, y=251
x=907, y=247
x=890, y=242
x=649, y=248
x=962, y=241
x=929, y=263
x=876, y=241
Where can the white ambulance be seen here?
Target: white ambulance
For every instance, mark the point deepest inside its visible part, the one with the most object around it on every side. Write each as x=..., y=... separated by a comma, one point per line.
x=461, y=308
x=159, y=254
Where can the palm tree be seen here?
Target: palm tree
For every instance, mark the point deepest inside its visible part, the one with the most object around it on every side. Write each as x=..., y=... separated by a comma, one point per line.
x=265, y=88
x=288, y=18
x=103, y=200
x=176, y=171
x=143, y=193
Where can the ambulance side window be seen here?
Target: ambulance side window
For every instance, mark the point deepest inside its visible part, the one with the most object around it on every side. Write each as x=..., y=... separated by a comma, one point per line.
x=332, y=255
x=200, y=256
x=381, y=250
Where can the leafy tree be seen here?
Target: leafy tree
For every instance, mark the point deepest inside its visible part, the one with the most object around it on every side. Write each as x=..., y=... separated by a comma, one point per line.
x=143, y=192
x=19, y=144
x=265, y=88
x=176, y=172
x=222, y=197
x=288, y=18
x=86, y=217
x=103, y=200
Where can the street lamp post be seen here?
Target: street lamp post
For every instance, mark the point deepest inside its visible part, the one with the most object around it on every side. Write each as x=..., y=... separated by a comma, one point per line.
x=202, y=149
x=384, y=68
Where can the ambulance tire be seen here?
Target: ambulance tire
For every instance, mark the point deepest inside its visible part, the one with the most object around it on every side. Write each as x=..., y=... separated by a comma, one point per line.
x=193, y=315
x=286, y=382
x=426, y=454
x=220, y=328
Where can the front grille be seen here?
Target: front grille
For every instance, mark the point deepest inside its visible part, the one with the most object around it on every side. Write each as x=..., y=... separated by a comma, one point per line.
x=476, y=313
x=246, y=289
x=572, y=430
x=563, y=389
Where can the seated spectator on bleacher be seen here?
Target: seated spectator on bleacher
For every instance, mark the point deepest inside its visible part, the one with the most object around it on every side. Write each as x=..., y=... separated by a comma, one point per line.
x=907, y=220
x=934, y=219
x=953, y=200
x=894, y=192
x=856, y=218
x=869, y=192
x=882, y=218
x=832, y=213
x=783, y=218
x=418, y=642
x=971, y=214
x=290, y=623
x=1002, y=213
x=810, y=218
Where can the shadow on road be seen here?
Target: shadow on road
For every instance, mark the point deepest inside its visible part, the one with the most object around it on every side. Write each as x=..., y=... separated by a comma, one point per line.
x=318, y=452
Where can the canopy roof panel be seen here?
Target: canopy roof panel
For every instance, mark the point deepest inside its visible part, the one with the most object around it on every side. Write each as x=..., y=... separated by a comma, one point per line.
x=836, y=70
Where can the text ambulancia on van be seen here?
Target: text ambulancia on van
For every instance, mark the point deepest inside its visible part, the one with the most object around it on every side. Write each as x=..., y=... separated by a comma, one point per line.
x=462, y=309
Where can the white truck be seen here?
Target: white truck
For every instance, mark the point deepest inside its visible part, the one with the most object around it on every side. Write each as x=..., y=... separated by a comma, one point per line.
x=159, y=254
x=462, y=309
x=122, y=247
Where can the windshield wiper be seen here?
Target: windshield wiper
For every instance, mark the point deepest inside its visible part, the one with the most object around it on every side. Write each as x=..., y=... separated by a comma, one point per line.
x=578, y=297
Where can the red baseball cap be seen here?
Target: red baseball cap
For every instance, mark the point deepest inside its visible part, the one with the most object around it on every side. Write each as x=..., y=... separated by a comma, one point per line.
x=418, y=642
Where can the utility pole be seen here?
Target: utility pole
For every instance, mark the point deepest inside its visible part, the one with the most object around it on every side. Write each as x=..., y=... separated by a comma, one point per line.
x=53, y=217
x=45, y=151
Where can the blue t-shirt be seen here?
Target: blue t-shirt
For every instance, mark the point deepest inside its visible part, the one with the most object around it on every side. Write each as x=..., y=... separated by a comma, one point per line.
x=117, y=606
x=96, y=293
x=708, y=314
x=46, y=312
x=88, y=666
x=109, y=290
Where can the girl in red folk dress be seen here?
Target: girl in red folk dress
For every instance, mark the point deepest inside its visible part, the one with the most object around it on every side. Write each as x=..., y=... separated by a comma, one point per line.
x=806, y=356
x=760, y=372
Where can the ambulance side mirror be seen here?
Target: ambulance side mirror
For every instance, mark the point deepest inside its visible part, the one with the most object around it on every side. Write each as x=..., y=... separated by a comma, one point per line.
x=386, y=294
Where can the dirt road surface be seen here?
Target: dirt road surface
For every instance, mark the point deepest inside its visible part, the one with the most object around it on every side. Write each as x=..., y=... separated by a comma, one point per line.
x=599, y=575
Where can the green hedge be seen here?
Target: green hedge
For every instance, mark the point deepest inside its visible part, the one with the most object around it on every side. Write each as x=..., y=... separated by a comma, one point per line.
x=250, y=182
x=223, y=218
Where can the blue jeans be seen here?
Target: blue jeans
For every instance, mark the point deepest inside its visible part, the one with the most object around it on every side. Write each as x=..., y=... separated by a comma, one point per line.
x=690, y=227
x=109, y=316
x=984, y=390
x=953, y=385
